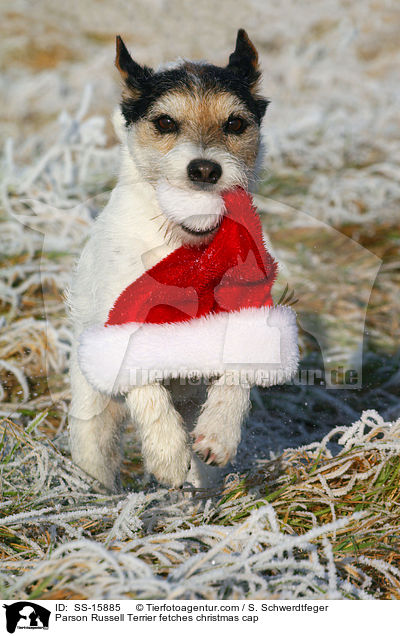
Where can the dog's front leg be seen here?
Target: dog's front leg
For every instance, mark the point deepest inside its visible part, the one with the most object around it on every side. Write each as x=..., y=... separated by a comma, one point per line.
x=165, y=444
x=95, y=428
x=217, y=432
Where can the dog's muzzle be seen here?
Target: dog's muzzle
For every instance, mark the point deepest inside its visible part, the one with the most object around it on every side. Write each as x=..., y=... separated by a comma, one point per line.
x=198, y=213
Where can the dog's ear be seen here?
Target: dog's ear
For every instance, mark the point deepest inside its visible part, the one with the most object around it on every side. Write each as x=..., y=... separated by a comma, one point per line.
x=243, y=62
x=131, y=72
x=244, y=59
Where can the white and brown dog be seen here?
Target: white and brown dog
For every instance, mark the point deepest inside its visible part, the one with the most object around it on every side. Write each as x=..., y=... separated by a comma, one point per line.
x=189, y=132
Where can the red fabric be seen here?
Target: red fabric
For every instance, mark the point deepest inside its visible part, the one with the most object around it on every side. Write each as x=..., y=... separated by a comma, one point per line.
x=234, y=271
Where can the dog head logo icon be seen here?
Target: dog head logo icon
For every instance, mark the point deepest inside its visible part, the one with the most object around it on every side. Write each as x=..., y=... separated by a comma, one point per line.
x=26, y=615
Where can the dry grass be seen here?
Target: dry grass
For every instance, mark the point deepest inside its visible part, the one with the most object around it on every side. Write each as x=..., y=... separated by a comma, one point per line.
x=316, y=489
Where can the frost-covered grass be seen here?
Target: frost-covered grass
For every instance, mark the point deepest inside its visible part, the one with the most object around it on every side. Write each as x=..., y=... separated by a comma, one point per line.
x=308, y=509
x=306, y=524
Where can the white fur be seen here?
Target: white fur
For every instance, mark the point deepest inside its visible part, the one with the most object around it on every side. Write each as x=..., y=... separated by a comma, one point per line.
x=217, y=432
x=197, y=210
x=127, y=239
x=165, y=442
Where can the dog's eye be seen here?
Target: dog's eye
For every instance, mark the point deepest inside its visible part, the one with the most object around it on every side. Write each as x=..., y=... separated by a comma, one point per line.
x=235, y=125
x=165, y=124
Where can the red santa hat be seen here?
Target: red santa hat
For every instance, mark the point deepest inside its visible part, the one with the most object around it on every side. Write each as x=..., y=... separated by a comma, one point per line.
x=199, y=312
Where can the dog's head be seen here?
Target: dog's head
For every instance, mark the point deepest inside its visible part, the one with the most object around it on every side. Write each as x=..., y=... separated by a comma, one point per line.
x=193, y=129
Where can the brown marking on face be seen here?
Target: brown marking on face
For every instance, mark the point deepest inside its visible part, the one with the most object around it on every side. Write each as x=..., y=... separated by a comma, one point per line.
x=201, y=115
x=147, y=135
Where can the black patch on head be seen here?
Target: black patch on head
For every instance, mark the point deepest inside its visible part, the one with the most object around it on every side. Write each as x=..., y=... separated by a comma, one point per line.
x=130, y=70
x=244, y=59
x=145, y=86
x=212, y=78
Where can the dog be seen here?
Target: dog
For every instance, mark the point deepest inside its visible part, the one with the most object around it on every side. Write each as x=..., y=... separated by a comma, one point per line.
x=188, y=131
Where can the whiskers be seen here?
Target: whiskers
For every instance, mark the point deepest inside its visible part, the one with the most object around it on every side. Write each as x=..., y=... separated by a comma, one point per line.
x=168, y=226
x=157, y=216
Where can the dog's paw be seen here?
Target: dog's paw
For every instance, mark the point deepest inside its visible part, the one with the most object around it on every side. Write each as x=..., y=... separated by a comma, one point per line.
x=217, y=432
x=171, y=470
x=213, y=450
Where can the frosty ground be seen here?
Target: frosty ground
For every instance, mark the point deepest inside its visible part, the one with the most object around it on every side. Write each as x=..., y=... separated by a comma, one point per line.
x=310, y=508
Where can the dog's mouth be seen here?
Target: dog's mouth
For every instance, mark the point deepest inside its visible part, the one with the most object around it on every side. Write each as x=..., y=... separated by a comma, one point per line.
x=200, y=233
x=197, y=215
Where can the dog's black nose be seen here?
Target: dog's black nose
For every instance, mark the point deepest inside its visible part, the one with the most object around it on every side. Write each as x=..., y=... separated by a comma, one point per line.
x=204, y=171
